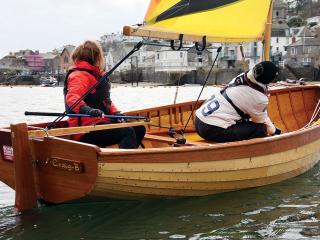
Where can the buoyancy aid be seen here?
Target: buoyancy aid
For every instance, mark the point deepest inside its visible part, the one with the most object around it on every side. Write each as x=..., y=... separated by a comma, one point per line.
x=242, y=80
x=100, y=99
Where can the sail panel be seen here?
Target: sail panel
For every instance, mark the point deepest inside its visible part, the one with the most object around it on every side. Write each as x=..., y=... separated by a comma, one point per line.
x=218, y=20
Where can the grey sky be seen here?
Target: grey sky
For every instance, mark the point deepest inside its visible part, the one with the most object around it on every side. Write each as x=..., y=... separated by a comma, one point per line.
x=47, y=24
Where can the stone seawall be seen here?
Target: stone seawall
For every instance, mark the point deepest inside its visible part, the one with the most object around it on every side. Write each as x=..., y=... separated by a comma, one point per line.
x=217, y=76
x=199, y=76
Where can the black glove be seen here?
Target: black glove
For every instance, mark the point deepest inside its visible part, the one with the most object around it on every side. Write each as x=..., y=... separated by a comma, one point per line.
x=119, y=120
x=277, y=132
x=90, y=111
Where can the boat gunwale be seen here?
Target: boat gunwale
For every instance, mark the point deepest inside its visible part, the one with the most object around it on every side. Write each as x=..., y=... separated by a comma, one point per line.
x=312, y=131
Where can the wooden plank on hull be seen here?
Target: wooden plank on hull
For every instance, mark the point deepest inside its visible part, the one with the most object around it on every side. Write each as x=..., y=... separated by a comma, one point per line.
x=274, y=113
x=135, y=191
x=219, y=166
x=213, y=176
x=6, y=159
x=299, y=108
x=286, y=112
x=143, y=192
x=311, y=97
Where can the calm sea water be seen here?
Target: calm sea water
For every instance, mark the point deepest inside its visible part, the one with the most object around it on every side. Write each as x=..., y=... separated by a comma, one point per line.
x=287, y=210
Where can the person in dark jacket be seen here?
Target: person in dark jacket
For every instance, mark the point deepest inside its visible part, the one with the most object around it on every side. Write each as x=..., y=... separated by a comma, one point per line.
x=87, y=70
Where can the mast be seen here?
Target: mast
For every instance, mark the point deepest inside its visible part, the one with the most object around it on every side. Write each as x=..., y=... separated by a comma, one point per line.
x=267, y=34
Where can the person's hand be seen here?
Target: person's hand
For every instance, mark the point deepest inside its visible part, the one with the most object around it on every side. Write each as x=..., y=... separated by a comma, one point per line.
x=91, y=111
x=119, y=120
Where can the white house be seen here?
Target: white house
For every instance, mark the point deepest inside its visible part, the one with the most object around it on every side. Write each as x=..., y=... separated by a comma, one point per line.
x=280, y=38
x=171, y=61
x=145, y=58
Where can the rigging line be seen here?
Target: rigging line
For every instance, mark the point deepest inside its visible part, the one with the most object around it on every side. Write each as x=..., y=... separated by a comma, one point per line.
x=103, y=78
x=314, y=115
x=177, y=90
x=204, y=84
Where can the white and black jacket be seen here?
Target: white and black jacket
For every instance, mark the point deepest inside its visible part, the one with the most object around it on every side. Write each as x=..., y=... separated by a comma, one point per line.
x=248, y=95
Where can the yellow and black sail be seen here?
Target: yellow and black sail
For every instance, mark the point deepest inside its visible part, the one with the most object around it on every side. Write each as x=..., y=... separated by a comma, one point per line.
x=217, y=20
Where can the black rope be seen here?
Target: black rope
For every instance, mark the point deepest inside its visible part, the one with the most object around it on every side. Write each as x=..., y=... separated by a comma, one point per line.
x=103, y=78
x=204, y=84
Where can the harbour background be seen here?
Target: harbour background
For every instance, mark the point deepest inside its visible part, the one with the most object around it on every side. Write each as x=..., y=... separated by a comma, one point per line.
x=287, y=210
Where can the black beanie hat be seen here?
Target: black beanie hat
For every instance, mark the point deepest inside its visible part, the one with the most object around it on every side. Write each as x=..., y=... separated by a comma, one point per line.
x=265, y=72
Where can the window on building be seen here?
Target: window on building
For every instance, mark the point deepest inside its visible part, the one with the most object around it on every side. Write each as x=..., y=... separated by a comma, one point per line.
x=307, y=60
x=181, y=54
x=66, y=59
x=277, y=40
x=309, y=49
x=158, y=56
x=277, y=13
x=293, y=51
x=277, y=49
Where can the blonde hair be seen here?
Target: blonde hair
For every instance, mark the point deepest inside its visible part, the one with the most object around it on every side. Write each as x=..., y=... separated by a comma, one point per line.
x=91, y=52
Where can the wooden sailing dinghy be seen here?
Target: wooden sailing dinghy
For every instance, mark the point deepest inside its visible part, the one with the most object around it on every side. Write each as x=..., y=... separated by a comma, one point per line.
x=47, y=165
x=65, y=170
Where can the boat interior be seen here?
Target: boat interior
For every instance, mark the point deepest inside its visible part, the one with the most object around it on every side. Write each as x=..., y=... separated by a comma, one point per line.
x=290, y=109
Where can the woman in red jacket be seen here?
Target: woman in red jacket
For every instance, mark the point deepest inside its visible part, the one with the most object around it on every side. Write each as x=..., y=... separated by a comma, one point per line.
x=87, y=70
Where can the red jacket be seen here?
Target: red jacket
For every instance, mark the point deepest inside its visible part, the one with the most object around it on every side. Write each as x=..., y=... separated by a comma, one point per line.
x=78, y=83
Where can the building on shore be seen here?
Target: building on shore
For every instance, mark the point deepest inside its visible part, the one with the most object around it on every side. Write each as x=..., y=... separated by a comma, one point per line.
x=35, y=62
x=65, y=58
x=303, y=53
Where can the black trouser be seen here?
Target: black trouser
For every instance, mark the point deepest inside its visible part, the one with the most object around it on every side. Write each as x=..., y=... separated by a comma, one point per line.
x=237, y=132
x=127, y=138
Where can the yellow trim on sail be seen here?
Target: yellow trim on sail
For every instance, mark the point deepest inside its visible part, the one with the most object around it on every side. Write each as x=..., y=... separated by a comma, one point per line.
x=233, y=21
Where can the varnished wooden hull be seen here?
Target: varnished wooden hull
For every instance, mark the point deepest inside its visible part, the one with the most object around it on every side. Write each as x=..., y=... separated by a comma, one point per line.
x=67, y=170
x=197, y=171
x=207, y=169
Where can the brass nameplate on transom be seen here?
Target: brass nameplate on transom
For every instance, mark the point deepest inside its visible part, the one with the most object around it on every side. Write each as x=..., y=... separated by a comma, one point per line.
x=66, y=165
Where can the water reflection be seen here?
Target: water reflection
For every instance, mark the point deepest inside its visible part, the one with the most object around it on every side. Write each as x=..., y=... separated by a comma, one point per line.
x=288, y=210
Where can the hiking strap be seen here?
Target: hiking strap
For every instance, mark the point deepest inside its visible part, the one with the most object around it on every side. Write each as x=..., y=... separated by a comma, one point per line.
x=244, y=116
